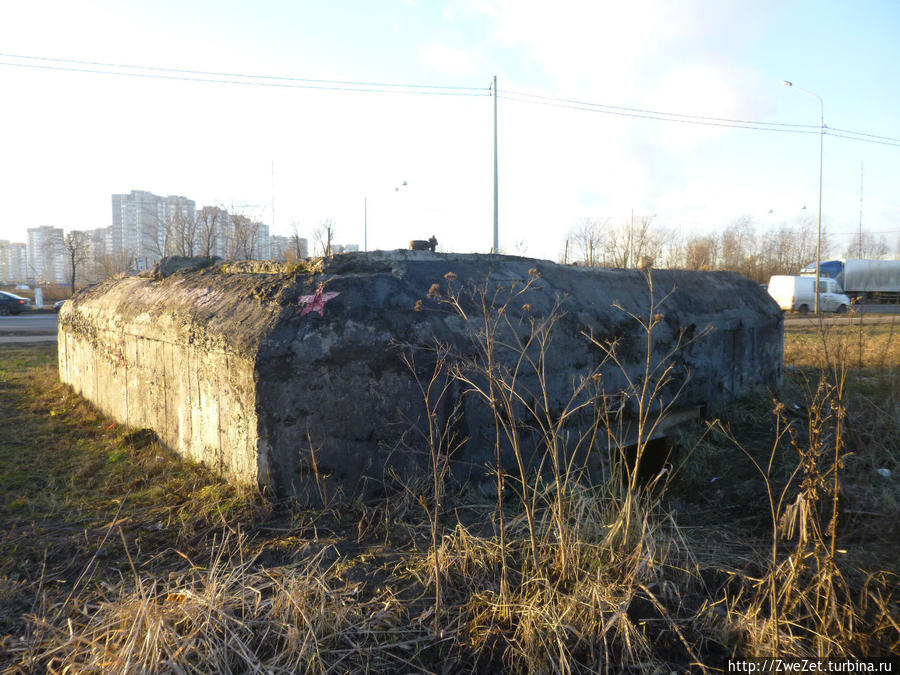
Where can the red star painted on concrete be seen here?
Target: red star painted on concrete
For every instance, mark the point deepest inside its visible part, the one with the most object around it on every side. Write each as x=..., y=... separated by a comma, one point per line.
x=316, y=302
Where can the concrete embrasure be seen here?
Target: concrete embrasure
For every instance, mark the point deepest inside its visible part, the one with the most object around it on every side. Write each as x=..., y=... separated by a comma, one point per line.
x=229, y=367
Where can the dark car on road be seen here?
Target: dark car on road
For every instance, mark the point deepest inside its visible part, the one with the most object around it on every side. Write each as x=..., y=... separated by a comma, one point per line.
x=10, y=303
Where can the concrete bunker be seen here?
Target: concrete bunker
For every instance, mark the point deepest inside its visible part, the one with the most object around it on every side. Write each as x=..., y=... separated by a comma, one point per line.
x=290, y=377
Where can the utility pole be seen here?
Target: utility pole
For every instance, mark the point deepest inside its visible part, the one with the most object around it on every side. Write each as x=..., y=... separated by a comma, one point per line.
x=365, y=223
x=496, y=211
x=273, y=196
x=630, y=239
x=859, y=243
x=821, y=152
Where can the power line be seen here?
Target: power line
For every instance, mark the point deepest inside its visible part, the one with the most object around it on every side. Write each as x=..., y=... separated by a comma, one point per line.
x=359, y=86
x=861, y=140
x=262, y=80
x=657, y=112
x=244, y=75
x=859, y=133
x=611, y=110
x=702, y=120
x=250, y=79
x=856, y=232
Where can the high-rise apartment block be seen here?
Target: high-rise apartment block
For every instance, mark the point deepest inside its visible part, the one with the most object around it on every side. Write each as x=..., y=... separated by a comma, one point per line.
x=46, y=255
x=145, y=227
x=142, y=223
x=13, y=262
x=288, y=248
x=279, y=245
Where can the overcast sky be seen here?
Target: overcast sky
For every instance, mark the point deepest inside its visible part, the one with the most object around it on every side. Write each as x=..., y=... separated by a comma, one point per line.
x=71, y=139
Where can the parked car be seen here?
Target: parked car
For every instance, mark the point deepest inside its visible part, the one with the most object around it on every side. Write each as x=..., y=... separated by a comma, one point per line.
x=10, y=303
x=796, y=294
x=58, y=305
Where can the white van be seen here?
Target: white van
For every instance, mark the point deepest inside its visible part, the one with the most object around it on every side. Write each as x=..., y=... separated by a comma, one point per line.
x=795, y=294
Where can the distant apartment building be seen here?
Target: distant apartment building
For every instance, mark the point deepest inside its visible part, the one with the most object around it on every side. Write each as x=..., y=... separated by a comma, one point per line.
x=286, y=248
x=46, y=255
x=231, y=236
x=100, y=241
x=344, y=248
x=279, y=246
x=13, y=262
x=147, y=227
x=96, y=261
x=262, y=249
x=143, y=224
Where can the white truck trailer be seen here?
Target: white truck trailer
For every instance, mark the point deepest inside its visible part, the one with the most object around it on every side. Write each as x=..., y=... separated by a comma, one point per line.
x=867, y=280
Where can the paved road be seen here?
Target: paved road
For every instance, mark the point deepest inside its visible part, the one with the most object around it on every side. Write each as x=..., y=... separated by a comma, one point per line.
x=28, y=328
x=878, y=309
x=8, y=339
x=28, y=324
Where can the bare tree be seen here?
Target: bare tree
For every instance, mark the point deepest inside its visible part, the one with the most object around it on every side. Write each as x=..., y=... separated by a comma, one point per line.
x=299, y=245
x=702, y=253
x=77, y=249
x=867, y=245
x=244, y=237
x=176, y=233
x=183, y=236
x=585, y=241
x=210, y=223
x=42, y=262
x=738, y=245
x=623, y=244
x=631, y=242
x=108, y=265
x=616, y=243
x=323, y=236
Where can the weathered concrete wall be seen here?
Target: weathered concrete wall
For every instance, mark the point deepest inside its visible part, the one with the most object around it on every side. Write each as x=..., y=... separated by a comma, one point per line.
x=223, y=363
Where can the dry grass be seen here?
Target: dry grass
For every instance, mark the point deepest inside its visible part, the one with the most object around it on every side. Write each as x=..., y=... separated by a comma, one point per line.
x=864, y=345
x=229, y=615
x=821, y=591
x=119, y=557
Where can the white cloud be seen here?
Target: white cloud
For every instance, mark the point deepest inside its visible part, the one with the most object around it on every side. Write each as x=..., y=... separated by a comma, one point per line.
x=704, y=90
x=590, y=46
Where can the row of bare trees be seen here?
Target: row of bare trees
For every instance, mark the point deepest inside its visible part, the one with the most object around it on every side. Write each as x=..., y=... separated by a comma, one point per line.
x=210, y=231
x=741, y=246
x=215, y=231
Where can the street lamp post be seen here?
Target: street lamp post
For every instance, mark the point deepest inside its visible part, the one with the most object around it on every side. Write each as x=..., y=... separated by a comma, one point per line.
x=821, y=148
